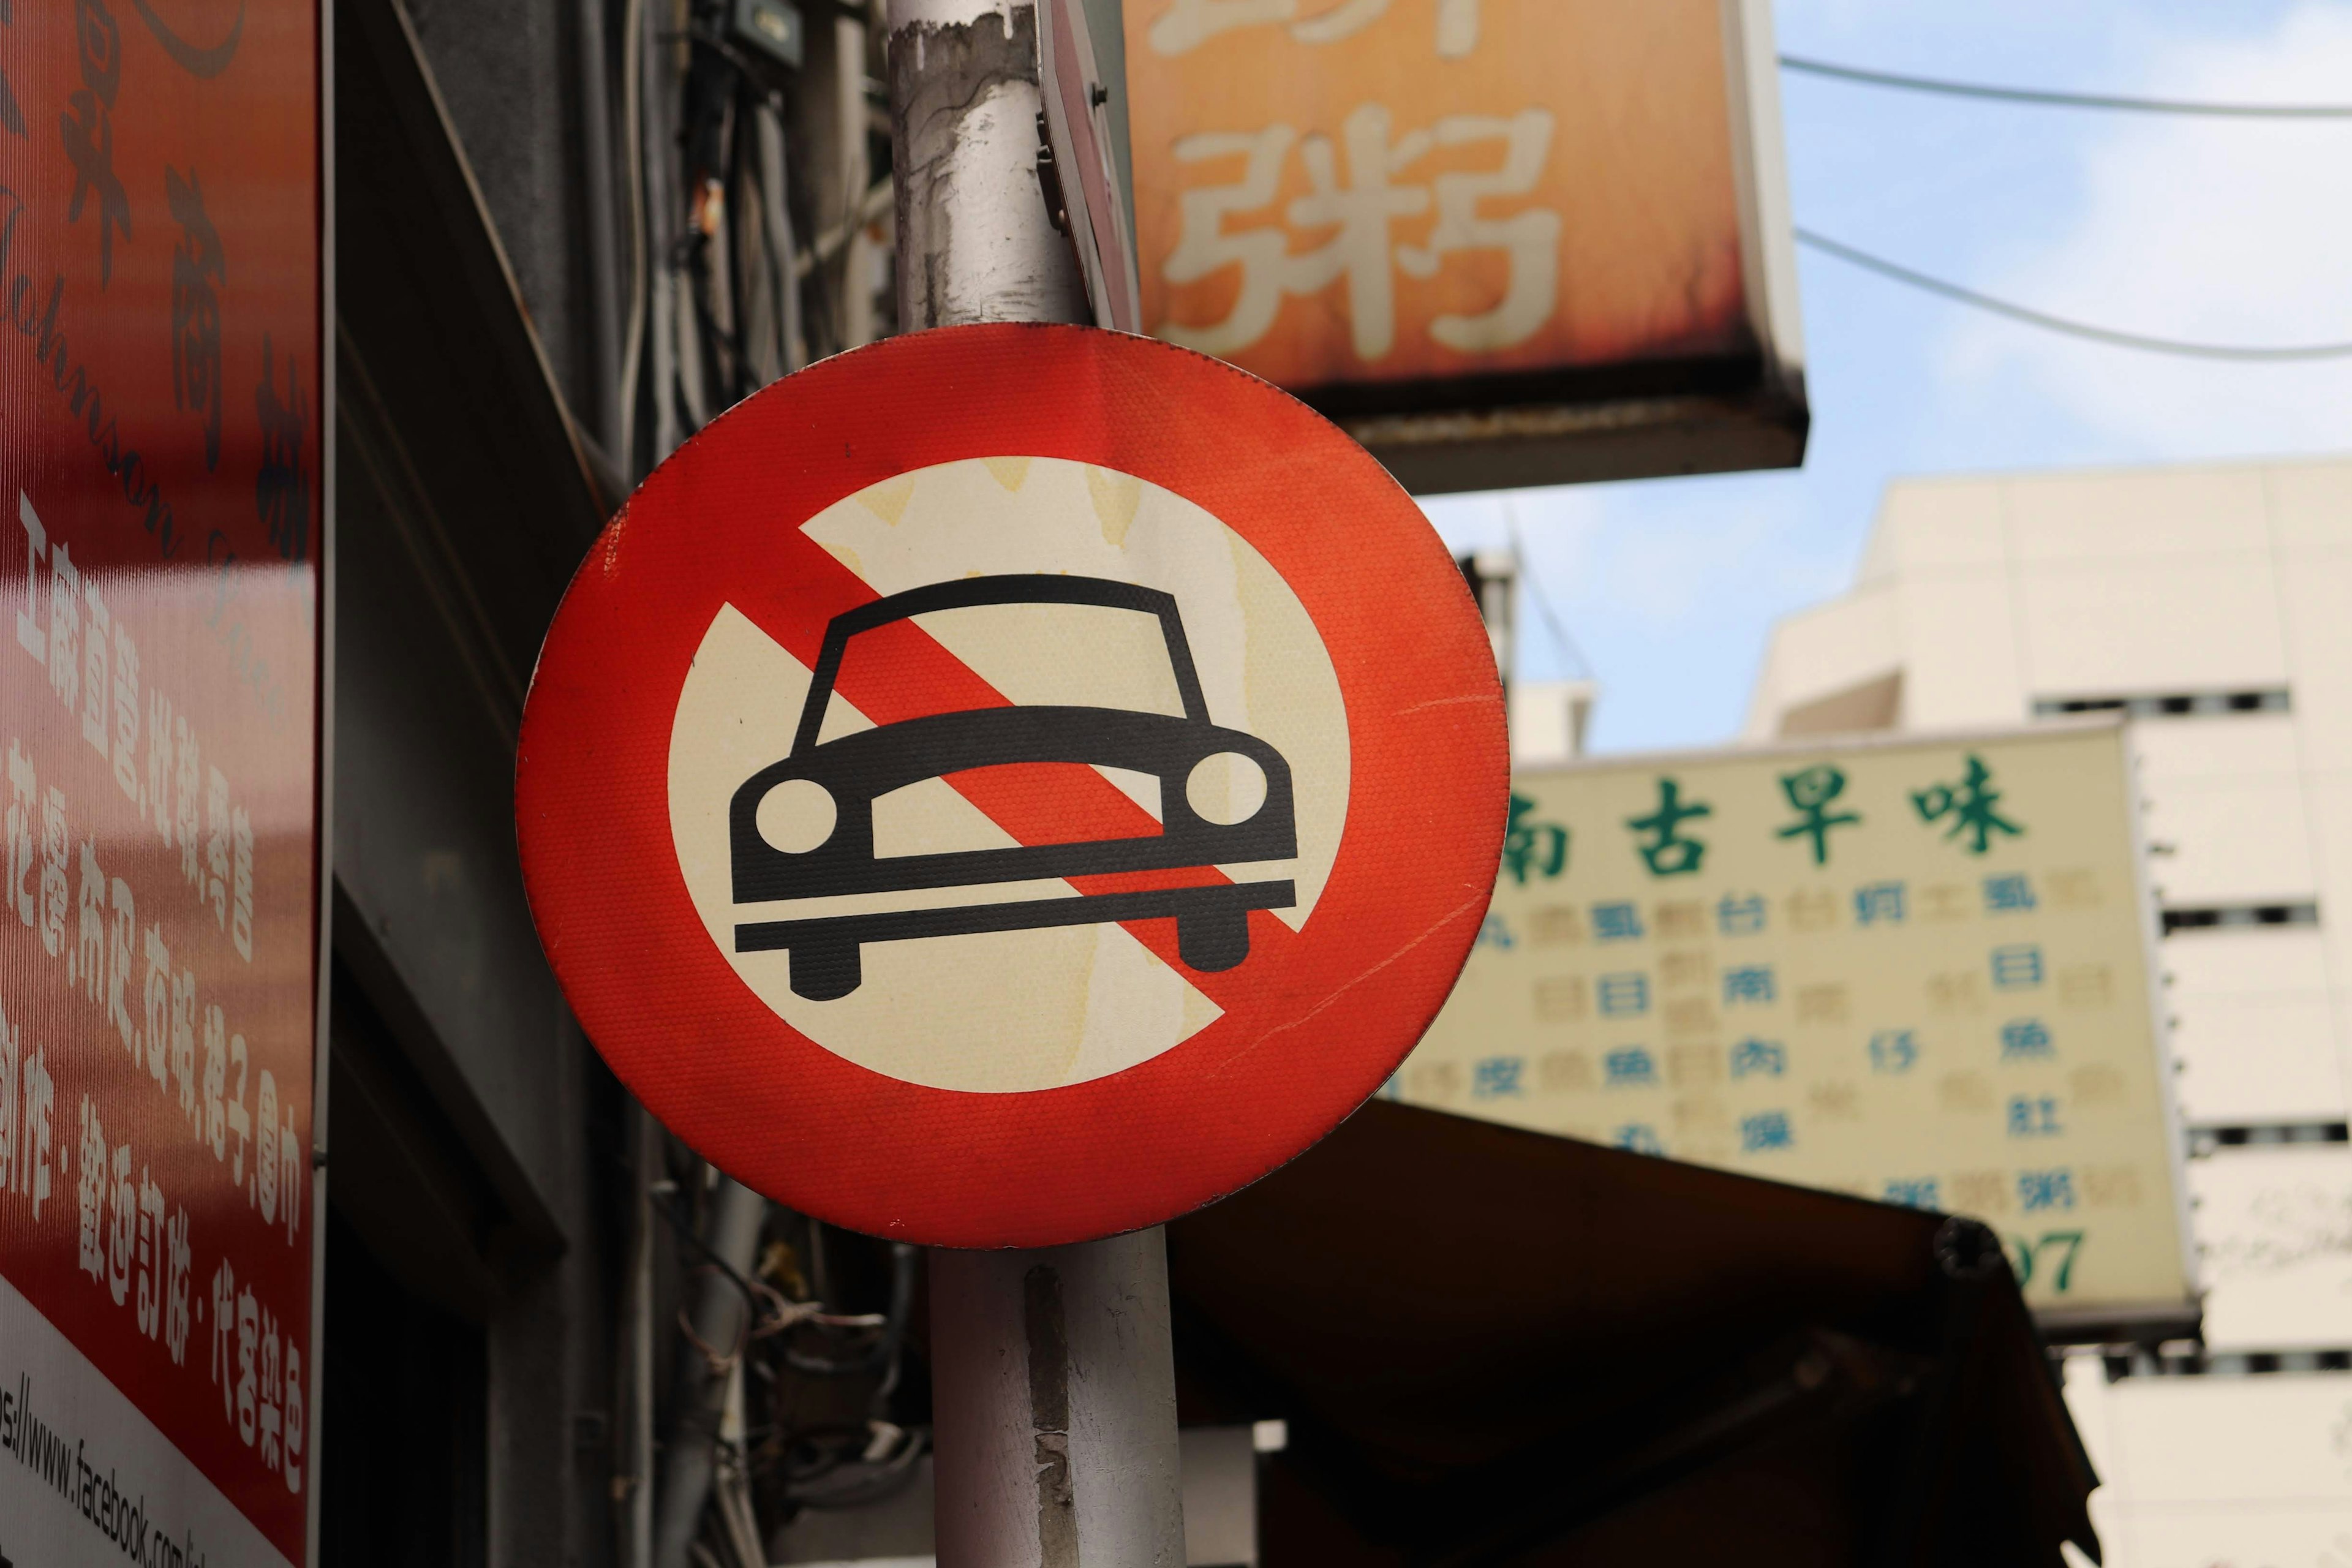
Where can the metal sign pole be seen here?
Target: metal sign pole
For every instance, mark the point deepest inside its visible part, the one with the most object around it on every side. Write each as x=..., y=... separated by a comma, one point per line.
x=1053, y=1378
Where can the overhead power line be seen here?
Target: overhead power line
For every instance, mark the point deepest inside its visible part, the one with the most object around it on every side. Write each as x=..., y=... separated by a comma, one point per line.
x=2242, y=353
x=2065, y=99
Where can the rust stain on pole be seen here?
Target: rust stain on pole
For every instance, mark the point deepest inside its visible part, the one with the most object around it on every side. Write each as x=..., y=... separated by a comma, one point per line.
x=1049, y=1416
x=974, y=244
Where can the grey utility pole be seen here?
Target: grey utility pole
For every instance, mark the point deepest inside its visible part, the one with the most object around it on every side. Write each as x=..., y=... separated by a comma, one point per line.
x=1053, y=1380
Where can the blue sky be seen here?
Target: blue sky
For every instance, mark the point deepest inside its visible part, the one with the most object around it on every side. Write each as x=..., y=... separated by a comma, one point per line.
x=2214, y=231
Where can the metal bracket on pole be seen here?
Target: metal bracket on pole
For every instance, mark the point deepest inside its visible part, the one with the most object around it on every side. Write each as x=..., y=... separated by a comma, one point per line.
x=1054, y=1383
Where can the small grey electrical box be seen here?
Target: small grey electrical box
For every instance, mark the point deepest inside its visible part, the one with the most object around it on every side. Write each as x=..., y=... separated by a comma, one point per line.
x=772, y=27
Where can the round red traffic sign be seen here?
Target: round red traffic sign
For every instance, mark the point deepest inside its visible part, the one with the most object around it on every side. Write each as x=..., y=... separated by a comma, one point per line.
x=1012, y=784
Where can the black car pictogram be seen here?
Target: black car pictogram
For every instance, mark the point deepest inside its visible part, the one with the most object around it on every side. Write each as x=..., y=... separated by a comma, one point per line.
x=854, y=770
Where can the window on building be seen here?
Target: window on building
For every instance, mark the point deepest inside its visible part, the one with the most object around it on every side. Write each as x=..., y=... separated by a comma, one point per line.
x=2238, y=916
x=2170, y=704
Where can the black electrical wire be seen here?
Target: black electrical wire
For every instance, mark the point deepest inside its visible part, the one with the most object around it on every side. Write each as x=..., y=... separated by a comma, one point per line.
x=2126, y=103
x=753, y=1300
x=2233, y=353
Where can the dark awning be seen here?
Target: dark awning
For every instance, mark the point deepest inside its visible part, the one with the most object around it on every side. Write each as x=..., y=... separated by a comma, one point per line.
x=1496, y=1346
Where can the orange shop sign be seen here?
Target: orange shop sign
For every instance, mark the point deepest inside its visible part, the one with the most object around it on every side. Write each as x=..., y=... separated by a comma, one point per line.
x=1463, y=227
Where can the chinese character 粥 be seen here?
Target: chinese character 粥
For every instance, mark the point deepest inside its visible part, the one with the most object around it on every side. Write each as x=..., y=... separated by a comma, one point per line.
x=1669, y=853
x=2024, y=1038
x=1540, y=848
x=199, y=271
x=1811, y=794
x=1970, y=803
x=2017, y=966
x=281, y=491
x=1639, y=1137
x=1880, y=904
x=1765, y=1130
x=1624, y=995
x=1496, y=1077
x=1748, y=982
x=1360, y=213
x=1768, y=1057
x=1629, y=1067
x=1893, y=1050
x=1616, y=923
x=1739, y=916
x=1915, y=1193
x=2008, y=894
x=2046, y=1190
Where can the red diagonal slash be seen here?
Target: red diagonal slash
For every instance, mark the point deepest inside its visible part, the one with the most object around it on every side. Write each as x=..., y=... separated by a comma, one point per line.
x=1064, y=810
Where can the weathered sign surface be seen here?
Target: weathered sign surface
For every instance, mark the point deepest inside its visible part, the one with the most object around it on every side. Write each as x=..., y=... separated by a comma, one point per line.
x=974, y=794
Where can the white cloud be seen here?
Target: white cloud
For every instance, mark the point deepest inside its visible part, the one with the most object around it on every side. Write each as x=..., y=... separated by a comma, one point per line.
x=2210, y=230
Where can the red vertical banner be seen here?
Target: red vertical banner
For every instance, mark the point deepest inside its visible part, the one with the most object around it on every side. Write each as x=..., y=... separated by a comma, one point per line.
x=160, y=506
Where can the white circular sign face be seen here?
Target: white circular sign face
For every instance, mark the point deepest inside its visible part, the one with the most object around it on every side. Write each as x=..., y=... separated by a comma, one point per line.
x=971, y=991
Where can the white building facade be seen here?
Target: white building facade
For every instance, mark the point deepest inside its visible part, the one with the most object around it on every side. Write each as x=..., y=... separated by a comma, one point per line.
x=2214, y=605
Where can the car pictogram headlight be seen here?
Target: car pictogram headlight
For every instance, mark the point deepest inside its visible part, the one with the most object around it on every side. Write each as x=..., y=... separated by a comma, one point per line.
x=1226, y=788
x=797, y=815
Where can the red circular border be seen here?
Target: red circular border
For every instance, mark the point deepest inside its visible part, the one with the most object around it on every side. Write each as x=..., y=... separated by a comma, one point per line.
x=1428, y=786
